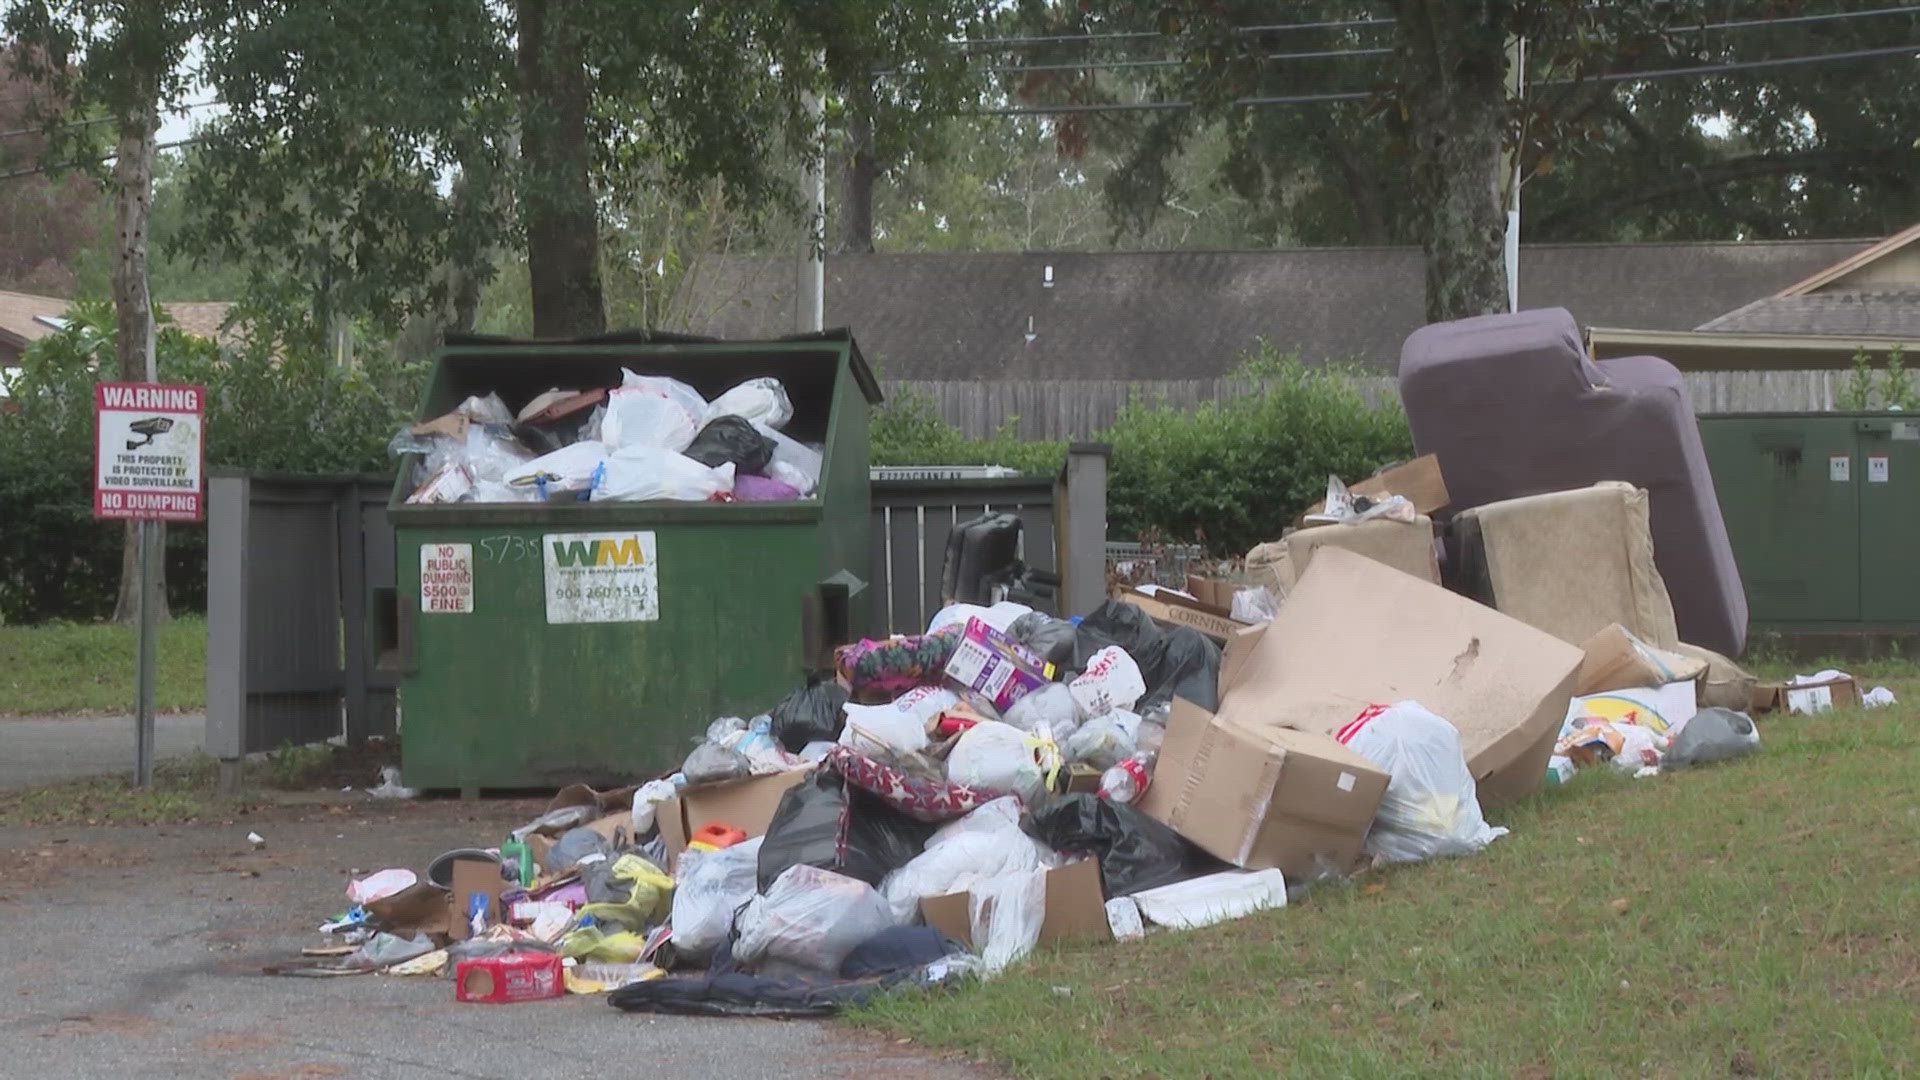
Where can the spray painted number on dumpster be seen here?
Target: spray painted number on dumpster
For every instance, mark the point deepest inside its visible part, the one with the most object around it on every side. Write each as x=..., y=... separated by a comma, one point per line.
x=601, y=577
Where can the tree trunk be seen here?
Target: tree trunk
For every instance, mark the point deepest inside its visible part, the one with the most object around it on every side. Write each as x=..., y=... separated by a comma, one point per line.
x=133, y=311
x=862, y=169
x=563, y=222
x=1456, y=112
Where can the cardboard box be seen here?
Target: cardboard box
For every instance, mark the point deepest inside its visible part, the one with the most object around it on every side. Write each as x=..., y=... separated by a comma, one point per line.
x=477, y=884
x=1725, y=684
x=1262, y=797
x=498, y=980
x=993, y=665
x=1076, y=908
x=1176, y=611
x=1419, y=480
x=747, y=805
x=1356, y=633
x=1617, y=660
x=1407, y=547
x=1807, y=699
x=1214, y=593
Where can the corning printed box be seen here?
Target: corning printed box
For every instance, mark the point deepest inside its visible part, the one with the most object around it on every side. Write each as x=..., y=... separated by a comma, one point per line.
x=988, y=663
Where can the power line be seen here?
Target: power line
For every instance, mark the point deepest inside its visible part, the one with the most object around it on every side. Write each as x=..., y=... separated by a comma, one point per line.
x=17, y=132
x=1115, y=65
x=38, y=169
x=1613, y=76
x=985, y=44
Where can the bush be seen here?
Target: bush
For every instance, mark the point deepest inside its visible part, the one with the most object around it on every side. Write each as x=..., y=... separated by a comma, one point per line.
x=274, y=404
x=1225, y=476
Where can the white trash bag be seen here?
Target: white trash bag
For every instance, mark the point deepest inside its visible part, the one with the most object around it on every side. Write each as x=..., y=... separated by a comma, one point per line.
x=900, y=726
x=793, y=463
x=983, y=845
x=1431, y=807
x=711, y=887
x=760, y=401
x=639, y=473
x=1111, y=681
x=1005, y=915
x=570, y=468
x=998, y=757
x=810, y=917
x=1049, y=711
x=1215, y=898
x=652, y=410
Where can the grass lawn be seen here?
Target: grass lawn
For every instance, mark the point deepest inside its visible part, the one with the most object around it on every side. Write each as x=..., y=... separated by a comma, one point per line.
x=1756, y=918
x=71, y=668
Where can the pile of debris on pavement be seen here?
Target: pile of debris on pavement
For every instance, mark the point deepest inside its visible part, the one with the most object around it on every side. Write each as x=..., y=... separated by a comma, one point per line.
x=942, y=803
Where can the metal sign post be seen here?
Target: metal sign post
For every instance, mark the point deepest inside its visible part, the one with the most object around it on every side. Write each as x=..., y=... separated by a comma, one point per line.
x=147, y=468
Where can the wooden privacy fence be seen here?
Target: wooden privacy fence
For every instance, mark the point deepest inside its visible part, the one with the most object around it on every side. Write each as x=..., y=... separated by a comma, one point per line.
x=1081, y=409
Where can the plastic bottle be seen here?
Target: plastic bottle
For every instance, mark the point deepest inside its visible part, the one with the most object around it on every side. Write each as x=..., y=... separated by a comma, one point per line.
x=1127, y=781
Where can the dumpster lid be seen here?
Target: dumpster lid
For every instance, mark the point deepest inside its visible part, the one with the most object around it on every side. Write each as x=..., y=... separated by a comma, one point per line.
x=862, y=374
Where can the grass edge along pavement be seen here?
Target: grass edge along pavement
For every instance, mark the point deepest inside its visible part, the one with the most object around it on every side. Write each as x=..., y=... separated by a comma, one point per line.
x=1751, y=918
x=58, y=669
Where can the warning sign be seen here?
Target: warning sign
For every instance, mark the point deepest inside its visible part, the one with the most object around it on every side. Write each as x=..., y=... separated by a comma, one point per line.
x=446, y=578
x=149, y=451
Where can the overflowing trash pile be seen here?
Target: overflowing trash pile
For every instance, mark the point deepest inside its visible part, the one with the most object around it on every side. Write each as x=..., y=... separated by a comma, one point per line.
x=1358, y=692
x=941, y=803
x=651, y=437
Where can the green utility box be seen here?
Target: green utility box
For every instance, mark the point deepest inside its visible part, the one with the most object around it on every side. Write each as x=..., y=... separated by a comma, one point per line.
x=1823, y=510
x=693, y=610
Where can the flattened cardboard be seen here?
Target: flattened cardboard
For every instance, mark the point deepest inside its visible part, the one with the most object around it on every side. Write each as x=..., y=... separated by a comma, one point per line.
x=747, y=805
x=1617, y=660
x=1665, y=709
x=1076, y=909
x=1173, y=611
x=1262, y=797
x=1213, y=592
x=420, y=908
x=1726, y=685
x=1355, y=633
x=1419, y=480
x=473, y=878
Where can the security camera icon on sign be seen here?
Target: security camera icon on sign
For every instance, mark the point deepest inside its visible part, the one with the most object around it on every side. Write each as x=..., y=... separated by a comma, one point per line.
x=152, y=427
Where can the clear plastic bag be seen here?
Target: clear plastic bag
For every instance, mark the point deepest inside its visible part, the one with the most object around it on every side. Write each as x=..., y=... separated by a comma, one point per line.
x=810, y=917
x=1255, y=605
x=1101, y=742
x=793, y=463
x=996, y=757
x=386, y=950
x=1006, y=913
x=1049, y=711
x=711, y=762
x=763, y=401
x=1430, y=808
x=637, y=473
x=712, y=886
x=652, y=410
x=491, y=452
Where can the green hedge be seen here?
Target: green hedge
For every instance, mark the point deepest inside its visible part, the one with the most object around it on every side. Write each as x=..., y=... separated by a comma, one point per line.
x=275, y=404
x=1226, y=476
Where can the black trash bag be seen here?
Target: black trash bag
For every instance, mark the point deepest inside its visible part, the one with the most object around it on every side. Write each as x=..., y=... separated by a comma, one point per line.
x=814, y=713
x=1135, y=851
x=825, y=822
x=1115, y=623
x=1052, y=638
x=729, y=438
x=897, y=949
x=1183, y=663
x=738, y=993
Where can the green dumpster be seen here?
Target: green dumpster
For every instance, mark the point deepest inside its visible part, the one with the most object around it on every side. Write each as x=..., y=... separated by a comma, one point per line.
x=692, y=610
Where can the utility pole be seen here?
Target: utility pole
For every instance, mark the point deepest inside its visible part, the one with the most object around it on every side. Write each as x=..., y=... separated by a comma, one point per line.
x=809, y=295
x=1516, y=90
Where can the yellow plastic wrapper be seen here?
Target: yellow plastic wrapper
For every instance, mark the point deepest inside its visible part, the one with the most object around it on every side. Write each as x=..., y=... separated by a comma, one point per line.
x=648, y=903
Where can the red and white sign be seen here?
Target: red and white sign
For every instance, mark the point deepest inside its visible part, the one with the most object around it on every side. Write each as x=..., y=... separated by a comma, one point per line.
x=149, y=451
x=446, y=578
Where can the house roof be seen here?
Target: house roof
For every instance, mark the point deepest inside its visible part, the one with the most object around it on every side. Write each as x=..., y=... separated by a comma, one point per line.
x=1191, y=314
x=23, y=317
x=1888, y=314
x=1834, y=274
